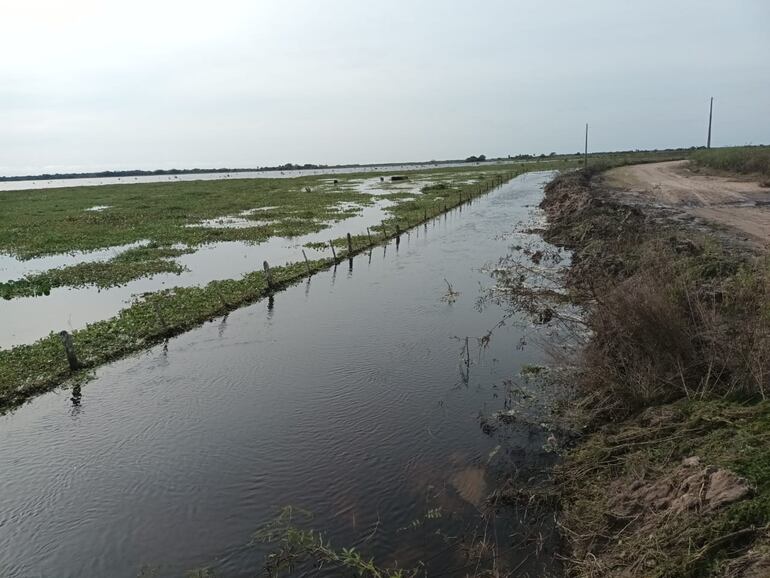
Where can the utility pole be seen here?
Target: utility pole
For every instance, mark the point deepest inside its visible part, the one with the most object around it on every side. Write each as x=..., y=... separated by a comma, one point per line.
x=585, y=154
x=711, y=111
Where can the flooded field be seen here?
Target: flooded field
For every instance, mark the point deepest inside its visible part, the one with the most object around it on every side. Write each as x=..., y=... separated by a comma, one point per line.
x=350, y=395
x=272, y=174
x=27, y=319
x=163, y=243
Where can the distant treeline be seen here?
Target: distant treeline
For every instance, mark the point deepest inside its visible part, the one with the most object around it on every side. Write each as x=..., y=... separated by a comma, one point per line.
x=143, y=173
x=295, y=167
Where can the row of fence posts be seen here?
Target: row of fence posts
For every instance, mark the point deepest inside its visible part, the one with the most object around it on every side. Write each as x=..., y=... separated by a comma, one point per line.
x=68, y=342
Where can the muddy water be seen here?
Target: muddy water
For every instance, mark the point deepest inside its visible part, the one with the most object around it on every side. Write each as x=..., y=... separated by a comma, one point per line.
x=348, y=396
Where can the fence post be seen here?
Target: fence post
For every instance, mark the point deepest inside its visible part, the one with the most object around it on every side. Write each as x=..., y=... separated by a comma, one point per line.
x=350, y=245
x=69, y=349
x=268, y=275
x=334, y=253
x=159, y=316
x=307, y=265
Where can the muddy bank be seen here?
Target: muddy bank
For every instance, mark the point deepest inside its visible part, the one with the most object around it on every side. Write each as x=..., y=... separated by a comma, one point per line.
x=672, y=474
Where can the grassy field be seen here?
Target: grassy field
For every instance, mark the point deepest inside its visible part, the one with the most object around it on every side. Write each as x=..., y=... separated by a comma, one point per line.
x=751, y=160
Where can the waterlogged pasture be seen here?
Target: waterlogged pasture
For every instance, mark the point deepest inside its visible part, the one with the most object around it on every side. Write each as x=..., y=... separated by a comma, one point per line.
x=216, y=277
x=189, y=233
x=350, y=394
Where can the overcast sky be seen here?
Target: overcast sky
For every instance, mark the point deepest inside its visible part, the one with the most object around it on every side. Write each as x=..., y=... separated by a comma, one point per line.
x=108, y=84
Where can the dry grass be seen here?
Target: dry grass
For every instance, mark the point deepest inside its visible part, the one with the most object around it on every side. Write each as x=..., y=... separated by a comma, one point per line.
x=672, y=315
x=677, y=358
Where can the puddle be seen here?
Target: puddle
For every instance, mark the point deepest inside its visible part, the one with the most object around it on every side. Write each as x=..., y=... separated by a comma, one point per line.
x=344, y=395
x=98, y=208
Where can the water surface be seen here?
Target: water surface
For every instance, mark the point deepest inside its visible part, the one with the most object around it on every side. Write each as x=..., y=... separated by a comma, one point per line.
x=347, y=395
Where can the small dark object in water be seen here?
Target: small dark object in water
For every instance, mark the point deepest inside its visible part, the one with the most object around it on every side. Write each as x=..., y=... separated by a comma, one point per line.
x=382, y=179
x=395, y=178
x=336, y=181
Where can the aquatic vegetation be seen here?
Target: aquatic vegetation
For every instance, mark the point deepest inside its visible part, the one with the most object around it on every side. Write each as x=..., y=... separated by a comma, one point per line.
x=132, y=264
x=294, y=546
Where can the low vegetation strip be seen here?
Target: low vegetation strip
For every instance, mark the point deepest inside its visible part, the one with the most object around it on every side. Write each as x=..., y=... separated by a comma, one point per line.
x=672, y=477
x=99, y=274
x=750, y=160
x=28, y=370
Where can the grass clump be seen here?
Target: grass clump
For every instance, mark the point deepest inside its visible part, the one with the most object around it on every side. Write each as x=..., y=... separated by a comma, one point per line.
x=294, y=546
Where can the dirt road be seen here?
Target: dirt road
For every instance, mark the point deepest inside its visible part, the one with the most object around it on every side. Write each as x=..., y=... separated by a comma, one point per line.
x=742, y=205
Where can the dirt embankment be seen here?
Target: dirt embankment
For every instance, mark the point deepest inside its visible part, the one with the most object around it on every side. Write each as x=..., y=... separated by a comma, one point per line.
x=736, y=202
x=672, y=476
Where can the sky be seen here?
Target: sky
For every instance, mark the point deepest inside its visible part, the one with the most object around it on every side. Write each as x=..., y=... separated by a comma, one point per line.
x=105, y=84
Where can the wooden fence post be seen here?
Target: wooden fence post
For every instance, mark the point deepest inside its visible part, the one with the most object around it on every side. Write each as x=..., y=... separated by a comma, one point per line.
x=69, y=349
x=268, y=275
x=159, y=316
x=334, y=253
x=307, y=265
x=350, y=245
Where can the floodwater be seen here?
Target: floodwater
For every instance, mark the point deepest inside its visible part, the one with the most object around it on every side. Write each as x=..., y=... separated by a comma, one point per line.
x=277, y=174
x=347, y=395
x=12, y=268
x=27, y=319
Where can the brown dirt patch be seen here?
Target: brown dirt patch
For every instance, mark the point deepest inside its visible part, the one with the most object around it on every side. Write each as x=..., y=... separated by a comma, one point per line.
x=738, y=203
x=689, y=488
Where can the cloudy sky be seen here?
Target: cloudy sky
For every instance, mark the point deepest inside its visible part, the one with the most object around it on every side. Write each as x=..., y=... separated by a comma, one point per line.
x=108, y=84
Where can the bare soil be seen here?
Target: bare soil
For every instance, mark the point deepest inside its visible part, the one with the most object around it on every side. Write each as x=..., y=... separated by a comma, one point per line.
x=738, y=203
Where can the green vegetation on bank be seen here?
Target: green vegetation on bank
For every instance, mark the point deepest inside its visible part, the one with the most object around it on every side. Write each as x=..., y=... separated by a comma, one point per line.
x=749, y=160
x=672, y=476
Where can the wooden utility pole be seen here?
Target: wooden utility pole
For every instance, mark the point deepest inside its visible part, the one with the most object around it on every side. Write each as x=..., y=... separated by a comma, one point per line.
x=585, y=153
x=711, y=111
